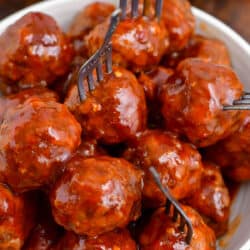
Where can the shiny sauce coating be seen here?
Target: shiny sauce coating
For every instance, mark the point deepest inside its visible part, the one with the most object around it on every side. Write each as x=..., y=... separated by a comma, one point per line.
x=97, y=195
x=178, y=164
x=193, y=100
x=34, y=51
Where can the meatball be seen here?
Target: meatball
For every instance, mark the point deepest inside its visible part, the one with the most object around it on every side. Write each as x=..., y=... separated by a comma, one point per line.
x=193, y=100
x=137, y=44
x=18, y=216
x=177, y=18
x=179, y=22
x=207, y=49
x=162, y=233
x=212, y=199
x=88, y=18
x=34, y=51
x=115, y=240
x=178, y=164
x=97, y=195
x=36, y=138
x=233, y=153
x=115, y=111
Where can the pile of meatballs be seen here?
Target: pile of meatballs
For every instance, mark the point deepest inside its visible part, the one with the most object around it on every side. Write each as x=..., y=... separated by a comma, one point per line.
x=75, y=175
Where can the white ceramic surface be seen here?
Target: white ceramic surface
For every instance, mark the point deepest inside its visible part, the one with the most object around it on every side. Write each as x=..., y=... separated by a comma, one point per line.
x=64, y=10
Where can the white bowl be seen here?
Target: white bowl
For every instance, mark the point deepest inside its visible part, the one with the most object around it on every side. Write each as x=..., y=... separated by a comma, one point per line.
x=64, y=10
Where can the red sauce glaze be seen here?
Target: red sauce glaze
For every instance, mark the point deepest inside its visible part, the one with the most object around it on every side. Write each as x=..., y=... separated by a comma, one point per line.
x=162, y=233
x=193, y=100
x=97, y=195
x=179, y=22
x=18, y=217
x=16, y=99
x=116, y=240
x=207, y=49
x=92, y=15
x=137, y=44
x=115, y=111
x=36, y=138
x=233, y=153
x=212, y=199
x=34, y=51
x=177, y=18
x=180, y=85
x=178, y=164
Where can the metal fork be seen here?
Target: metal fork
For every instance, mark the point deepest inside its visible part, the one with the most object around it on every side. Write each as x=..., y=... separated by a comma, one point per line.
x=242, y=104
x=178, y=213
x=135, y=8
x=96, y=61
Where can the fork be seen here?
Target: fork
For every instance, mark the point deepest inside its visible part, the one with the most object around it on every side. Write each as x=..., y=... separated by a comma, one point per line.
x=95, y=62
x=178, y=213
x=135, y=8
x=242, y=104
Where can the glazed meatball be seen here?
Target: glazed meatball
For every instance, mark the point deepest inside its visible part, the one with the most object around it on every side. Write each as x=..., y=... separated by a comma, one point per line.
x=232, y=153
x=34, y=51
x=115, y=111
x=152, y=80
x=212, y=199
x=179, y=22
x=97, y=195
x=178, y=164
x=18, y=216
x=193, y=100
x=162, y=233
x=89, y=17
x=115, y=240
x=137, y=44
x=207, y=49
x=36, y=138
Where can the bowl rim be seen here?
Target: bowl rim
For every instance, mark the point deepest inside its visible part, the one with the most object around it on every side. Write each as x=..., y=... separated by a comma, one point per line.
x=236, y=37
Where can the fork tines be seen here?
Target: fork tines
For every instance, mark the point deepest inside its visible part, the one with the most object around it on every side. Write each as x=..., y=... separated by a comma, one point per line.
x=135, y=8
x=95, y=63
x=178, y=215
x=242, y=104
